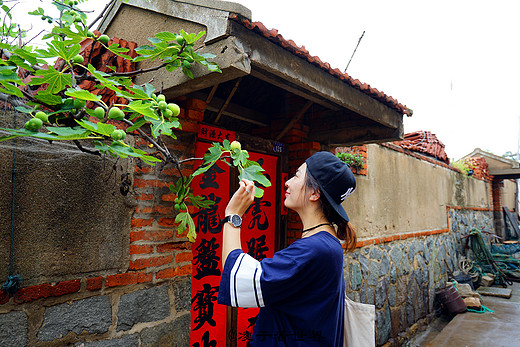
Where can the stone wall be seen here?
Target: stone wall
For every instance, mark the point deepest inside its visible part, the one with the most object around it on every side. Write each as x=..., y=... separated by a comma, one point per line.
x=400, y=277
x=133, y=316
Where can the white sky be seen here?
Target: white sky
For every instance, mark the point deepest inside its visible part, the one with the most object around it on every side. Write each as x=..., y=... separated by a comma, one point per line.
x=454, y=63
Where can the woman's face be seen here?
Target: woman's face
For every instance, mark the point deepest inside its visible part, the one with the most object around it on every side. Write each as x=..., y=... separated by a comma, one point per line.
x=295, y=193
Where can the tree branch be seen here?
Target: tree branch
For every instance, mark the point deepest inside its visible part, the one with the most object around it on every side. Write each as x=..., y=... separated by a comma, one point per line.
x=164, y=151
x=86, y=150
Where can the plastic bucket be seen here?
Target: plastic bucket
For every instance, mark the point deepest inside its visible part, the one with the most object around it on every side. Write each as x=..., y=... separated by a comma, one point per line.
x=464, y=278
x=451, y=300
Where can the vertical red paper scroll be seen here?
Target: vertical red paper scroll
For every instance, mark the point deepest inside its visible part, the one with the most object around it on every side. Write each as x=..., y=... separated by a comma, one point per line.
x=208, y=319
x=258, y=236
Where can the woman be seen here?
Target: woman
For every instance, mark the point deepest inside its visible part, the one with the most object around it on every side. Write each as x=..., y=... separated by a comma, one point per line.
x=301, y=289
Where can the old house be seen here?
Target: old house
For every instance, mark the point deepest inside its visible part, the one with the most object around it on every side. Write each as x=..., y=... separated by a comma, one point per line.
x=111, y=269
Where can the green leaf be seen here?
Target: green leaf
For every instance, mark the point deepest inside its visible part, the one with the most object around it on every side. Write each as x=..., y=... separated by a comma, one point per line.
x=82, y=94
x=67, y=131
x=214, y=153
x=99, y=127
x=200, y=202
x=254, y=173
x=185, y=221
x=143, y=108
x=162, y=127
x=57, y=80
x=139, y=123
x=47, y=98
x=23, y=109
x=165, y=36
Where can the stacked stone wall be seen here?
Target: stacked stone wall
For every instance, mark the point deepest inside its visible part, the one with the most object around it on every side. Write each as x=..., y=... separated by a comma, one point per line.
x=400, y=277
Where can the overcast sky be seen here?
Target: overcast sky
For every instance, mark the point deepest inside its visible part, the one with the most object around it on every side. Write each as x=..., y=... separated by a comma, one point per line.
x=454, y=63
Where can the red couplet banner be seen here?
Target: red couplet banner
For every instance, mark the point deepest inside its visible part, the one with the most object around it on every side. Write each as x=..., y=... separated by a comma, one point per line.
x=258, y=236
x=208, y=319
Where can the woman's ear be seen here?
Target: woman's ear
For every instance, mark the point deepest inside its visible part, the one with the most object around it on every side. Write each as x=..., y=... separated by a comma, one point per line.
x=315, y=196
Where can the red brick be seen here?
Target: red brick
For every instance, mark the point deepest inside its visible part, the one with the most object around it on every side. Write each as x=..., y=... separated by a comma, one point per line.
x=305, y=146
x=144, y=263
x=145, y=197
x=174, y=172
x=94, y=283
x=195, y=104
x=169, y=197
x=143, y=169
x=4, y=297
x=141, y=249
x=143, y=209
x=184, y=256
x=189, y=126
x=173, y=246
x=195, y=115
x=140, y=222
x=174, y=272
x=166, y=222
x=161, y=209
x=142, y=183
x=48, y=290
x=157, y=235
x=127, y=278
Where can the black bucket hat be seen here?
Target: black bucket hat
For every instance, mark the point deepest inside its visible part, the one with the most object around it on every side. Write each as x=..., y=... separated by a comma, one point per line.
x=334, y=177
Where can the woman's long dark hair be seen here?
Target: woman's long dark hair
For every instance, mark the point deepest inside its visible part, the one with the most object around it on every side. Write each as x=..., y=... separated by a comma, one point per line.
x=345, y=230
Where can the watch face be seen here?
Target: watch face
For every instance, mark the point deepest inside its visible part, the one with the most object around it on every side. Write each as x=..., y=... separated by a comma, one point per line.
x=236, y=220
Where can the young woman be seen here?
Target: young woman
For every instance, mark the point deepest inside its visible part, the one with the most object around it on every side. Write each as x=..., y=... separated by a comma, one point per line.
x=301, y=289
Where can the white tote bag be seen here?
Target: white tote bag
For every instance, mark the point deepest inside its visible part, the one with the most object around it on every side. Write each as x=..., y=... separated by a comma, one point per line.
x=359, y=324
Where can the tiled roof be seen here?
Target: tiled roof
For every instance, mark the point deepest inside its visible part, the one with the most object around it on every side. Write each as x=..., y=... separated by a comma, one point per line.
x=424, y=142
x=273, y=36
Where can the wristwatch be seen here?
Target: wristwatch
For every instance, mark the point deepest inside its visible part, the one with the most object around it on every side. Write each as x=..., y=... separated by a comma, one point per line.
x=234, y=219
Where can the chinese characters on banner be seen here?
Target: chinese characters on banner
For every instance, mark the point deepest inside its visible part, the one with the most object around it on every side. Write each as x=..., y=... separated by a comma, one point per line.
x=207, y=132
x=258, y=236
x=208, y=319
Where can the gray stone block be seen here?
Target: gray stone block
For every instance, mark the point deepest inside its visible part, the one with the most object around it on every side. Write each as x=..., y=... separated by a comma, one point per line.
x=173, y=334
x=385, y=265
x=405, y=267
x=370, y=295
x=393, y=274
x=182, y=294
x=381, y=293
x=411, y=251
x=363, y=261
x=146, y=305
x=93, y=315
x=396, y=254
x=124, y=341
x=363, y=296
x=61, y=174
x=355, y=276
x=373, y=275
x=392, y=295
x=376, y=253
x=13, y=329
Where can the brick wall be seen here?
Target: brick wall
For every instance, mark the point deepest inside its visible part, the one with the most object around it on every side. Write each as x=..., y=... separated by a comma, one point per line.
x=158, y=271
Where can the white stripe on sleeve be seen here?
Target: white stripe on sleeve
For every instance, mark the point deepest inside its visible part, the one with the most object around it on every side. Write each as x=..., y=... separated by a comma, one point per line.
x=244, y=282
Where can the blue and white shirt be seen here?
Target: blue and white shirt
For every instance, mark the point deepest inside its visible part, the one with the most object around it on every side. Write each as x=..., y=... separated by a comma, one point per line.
x=300, y=291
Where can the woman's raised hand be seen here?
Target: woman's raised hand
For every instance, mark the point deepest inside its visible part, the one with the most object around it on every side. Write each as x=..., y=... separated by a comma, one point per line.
x=242, y=199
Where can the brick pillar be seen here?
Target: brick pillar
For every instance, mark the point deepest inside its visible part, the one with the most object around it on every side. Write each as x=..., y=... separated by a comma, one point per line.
x=496, y=191
x=155, y=246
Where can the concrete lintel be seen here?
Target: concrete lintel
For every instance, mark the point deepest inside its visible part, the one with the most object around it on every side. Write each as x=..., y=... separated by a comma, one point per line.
x=213, y=14
x=230, y=59
x=505, y=173
x=357, y=135
x=310, y=79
